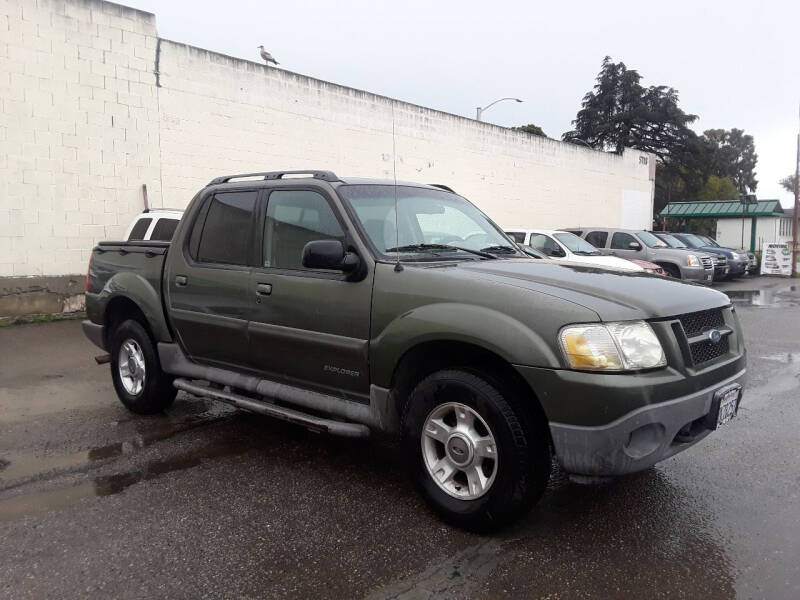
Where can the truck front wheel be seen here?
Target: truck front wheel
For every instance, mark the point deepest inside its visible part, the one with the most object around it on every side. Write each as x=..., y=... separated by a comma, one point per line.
x=140, y=383
x=475, y=454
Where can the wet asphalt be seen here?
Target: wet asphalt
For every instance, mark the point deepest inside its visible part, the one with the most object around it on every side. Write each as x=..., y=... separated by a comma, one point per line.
x=210, y=502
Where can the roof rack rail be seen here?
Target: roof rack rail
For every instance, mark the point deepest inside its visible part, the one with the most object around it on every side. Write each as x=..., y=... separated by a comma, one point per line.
x=323, y=175
x=442, y=186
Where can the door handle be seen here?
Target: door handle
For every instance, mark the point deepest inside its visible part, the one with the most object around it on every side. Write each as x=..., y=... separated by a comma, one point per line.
x=181, y=280
x=263, y=289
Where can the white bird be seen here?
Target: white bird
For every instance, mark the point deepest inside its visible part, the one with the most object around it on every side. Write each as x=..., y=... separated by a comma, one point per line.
x=267, y=56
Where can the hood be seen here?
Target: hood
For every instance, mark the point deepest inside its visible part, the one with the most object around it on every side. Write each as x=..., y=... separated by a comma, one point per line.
x=612, y=294
x=613, y=262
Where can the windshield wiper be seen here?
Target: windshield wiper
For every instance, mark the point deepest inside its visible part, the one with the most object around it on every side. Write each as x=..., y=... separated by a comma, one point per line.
x=586, y=252
x=423, y=247
x=499, y=250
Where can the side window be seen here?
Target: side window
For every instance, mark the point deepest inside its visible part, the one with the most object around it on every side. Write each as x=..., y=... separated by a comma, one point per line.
x=294, y=218
x=139, y=229
x=545, y=244
x=517, y=236
x=227, y=229
x=164, y=230
x=597, y=238
x=621, y=240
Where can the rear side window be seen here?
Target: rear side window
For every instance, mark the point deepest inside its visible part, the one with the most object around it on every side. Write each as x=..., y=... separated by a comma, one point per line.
x=597, y=238
x=620, y=241
x=164, y=230
x=139, y=229
x=517, y=236
x=227, y=229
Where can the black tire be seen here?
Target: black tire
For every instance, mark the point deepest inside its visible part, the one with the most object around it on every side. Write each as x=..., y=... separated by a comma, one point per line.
x=672, y=270
x=522, y=448
x=156, y=393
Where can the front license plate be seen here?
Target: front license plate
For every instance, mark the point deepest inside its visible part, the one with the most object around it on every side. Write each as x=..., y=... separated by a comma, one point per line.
x=728, y=405
x=708, y=277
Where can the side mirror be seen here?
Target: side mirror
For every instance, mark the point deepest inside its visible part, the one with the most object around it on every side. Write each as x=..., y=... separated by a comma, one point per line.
x=635, y=246
x=329, y=255
x=557, y=253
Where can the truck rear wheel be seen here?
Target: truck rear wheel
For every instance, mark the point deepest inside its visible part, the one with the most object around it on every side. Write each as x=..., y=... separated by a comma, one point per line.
x=140, y=383
x=477, y=458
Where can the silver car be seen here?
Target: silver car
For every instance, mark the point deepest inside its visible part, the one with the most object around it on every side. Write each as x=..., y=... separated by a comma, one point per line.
x=691, y=265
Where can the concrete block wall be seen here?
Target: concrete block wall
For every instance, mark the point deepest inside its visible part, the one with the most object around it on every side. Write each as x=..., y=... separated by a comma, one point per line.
x=93, y=105
x=221, y=114
x=78, y=129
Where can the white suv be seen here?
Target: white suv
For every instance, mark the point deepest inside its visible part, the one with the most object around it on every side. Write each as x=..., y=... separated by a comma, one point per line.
x=562, y=245
x=157, y=224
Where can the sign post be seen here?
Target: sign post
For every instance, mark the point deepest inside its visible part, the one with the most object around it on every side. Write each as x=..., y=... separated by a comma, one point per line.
x=796, y=217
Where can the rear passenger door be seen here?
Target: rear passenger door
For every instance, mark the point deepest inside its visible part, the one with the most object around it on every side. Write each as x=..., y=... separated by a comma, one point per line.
x=207, y=280
x=309, y=327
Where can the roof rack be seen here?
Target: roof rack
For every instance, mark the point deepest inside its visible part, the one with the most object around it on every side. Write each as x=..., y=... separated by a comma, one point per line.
x=442, y=186
x=323, y=175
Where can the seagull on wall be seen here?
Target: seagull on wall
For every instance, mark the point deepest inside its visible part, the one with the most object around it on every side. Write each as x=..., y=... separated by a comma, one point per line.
x=267, y=56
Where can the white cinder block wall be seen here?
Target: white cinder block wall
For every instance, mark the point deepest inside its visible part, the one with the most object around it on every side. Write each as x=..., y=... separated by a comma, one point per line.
x=94, y=105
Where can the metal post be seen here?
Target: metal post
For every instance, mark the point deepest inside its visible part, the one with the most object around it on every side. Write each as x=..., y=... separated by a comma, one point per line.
x=796, y=218
x=478, y=112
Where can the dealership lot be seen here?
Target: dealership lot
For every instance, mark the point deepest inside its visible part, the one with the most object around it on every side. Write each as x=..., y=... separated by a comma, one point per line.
x=208, y=501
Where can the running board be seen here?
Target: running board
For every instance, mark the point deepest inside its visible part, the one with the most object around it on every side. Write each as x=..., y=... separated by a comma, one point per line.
x=311, y=422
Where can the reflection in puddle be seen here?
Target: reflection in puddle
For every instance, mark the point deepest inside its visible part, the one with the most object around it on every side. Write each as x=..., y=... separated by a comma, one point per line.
x=766, y=297
x=107, y=485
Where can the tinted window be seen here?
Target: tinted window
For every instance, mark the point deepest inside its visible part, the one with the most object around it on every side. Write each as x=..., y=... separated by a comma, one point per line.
x=576, y=244
x=621, y=241
x=139, y=229
x=164, y=230
x=226, y=232
x=295, y=218
x=650, y=240
x=517, y=236
x=597, y=238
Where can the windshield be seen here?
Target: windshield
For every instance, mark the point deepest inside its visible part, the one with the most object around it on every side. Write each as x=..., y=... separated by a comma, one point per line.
x=576, y=244
x=709, y=241
x=650, y=240
x=429, y=223
x=693, y=241
x=672, y=241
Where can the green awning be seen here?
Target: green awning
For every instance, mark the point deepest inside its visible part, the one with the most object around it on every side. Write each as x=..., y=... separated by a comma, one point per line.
x=720, y=209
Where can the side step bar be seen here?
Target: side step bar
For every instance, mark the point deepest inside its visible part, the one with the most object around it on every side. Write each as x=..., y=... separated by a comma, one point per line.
x=312, y=422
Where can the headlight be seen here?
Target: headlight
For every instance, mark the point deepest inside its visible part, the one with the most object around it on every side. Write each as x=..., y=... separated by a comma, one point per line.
x=692, y=260
x=611, y=346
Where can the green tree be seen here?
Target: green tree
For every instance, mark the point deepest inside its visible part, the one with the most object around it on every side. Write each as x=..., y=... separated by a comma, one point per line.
x=619, y=112
x=732, y=154
x=530, y=128
x=718, y=188
x=787, y=183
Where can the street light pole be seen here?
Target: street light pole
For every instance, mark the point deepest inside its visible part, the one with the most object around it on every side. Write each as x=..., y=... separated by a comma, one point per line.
x=479, y=111
x=796, y=216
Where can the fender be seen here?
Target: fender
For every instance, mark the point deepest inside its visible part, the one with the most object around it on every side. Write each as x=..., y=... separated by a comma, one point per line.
x=480, y=326
x=139, y=290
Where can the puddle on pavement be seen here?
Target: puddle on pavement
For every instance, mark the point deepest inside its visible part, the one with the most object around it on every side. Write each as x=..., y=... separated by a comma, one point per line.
x=21, y=467
x=38, y=503
x=766, y=297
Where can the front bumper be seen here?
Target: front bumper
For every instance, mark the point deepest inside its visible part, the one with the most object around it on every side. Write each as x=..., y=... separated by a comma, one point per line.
x=698, y=274
x=639, y=439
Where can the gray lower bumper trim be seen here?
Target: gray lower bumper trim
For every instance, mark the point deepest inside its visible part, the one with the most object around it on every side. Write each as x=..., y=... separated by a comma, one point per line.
x=635, y=441
x=95, y=333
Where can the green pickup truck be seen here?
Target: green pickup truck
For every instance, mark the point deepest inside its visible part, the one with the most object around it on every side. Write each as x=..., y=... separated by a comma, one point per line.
x=353, y=306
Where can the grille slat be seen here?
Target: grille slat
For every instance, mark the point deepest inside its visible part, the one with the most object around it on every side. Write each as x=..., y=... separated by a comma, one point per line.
x=698, y=322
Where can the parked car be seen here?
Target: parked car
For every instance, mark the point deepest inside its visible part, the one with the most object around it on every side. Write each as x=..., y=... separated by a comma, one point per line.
x=649, y=267
x=720, y=259
x=737, y=259
x=752, y=263
x=562, y=245
x=157, y=224
x=632, y=243
x=322, y=301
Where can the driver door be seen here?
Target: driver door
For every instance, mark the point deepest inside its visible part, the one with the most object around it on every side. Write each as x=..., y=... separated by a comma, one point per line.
x=308, y=327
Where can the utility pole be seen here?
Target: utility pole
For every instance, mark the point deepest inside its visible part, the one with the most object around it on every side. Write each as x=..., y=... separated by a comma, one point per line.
x=796, y=217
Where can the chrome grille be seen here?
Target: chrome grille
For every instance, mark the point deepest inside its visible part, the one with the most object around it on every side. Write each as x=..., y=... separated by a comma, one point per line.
x=721, y=260
x=706, y=261
x=696, y=323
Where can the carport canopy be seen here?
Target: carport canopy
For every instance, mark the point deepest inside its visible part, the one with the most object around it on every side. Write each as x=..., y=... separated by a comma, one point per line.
x=720, y=209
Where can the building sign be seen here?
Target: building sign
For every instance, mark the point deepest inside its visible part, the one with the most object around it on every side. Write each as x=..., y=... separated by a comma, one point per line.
x=776, y=259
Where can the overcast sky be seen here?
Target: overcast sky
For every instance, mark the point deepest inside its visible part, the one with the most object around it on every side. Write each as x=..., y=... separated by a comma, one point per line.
x=735, y=64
